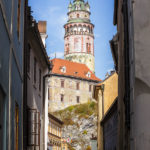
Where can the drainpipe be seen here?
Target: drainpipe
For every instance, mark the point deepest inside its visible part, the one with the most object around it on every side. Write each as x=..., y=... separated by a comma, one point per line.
x=45, y=107
x=102, y=87
x=127, y=73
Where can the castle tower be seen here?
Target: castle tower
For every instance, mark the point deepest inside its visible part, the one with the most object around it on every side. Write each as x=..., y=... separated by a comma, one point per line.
x=79, y=37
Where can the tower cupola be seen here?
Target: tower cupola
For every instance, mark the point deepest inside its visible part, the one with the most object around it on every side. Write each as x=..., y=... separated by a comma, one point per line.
x=70, y=6
x=79, y=36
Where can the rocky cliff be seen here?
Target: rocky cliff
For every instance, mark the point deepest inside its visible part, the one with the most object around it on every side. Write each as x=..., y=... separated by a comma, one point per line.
x=80, y=123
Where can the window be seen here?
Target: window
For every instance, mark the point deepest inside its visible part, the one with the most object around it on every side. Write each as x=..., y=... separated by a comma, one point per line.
x=90, y=88
x=16, y=127
x=33, y=127
x=88, y=48
x=62, y=97
x=78, y=86
x=78, y=99
x=35, y=70
x=28, y=58
x=77, y=15
x=67, y=52
x=39, y=79
x=63, y=69
x=18, y=17
x=49, y=94
x=62, y=83
x=88, y=74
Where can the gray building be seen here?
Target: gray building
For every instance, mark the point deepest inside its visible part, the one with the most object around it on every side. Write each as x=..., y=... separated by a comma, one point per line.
x=130, y=49
x=11, y=74
x=36, y=66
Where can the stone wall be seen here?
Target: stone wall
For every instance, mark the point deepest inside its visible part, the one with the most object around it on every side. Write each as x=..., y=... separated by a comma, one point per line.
x=69, y=91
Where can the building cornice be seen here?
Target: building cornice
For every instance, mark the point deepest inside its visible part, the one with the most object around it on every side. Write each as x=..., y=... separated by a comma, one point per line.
x=73, y=77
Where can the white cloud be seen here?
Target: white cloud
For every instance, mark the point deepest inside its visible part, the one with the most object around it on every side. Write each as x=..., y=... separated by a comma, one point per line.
x=57, y=55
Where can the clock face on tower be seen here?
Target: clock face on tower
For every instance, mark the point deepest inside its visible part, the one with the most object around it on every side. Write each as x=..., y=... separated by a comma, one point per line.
x=77, y=45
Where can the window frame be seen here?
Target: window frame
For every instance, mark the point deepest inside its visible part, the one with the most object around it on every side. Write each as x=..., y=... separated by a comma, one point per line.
x=78, y=99
x=78, y=86
x=62, y=83
x=62, y=97
x=90, y=88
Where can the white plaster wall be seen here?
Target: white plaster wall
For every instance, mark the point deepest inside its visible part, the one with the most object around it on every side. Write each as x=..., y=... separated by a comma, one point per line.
x=141, y=104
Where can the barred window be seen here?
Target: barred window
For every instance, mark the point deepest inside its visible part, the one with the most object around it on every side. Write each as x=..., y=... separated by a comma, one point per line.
x=33, y=127
x=62, y=83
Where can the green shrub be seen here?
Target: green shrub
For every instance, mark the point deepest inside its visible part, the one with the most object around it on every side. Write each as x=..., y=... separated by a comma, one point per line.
x=85, y=132
x=88, y=148
x=70, y=108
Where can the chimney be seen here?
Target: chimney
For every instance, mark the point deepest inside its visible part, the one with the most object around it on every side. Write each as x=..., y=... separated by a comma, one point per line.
x=42, y=29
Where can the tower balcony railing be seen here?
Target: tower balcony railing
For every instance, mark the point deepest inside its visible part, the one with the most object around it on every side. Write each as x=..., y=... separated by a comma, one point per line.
x=78, y=33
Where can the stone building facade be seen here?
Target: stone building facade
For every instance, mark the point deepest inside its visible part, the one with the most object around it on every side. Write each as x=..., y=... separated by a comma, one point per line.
x=11, y=74
x=36, y=66
x=79, y=36
x=130, y=49
x=106, y=94
x=70, y=83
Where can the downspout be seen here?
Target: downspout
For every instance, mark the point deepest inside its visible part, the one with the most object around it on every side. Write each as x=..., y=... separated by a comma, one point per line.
x=45, y=107
x=127, y=74
x=25, y=125
x=102, y=147
x=127, y=65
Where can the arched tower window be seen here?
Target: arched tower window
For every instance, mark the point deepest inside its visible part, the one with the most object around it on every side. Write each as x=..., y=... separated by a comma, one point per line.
x=88, y=48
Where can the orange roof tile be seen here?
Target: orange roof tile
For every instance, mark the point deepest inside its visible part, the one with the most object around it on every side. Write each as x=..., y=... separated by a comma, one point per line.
x=72, y=69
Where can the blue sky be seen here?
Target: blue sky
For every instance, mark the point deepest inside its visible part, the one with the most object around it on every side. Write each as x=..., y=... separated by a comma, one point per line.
x=55, y=13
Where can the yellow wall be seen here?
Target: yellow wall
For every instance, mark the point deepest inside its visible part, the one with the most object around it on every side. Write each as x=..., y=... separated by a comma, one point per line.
x=110, y=94
x=110, y=91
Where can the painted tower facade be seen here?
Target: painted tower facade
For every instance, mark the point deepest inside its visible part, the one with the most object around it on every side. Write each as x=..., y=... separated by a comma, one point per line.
x=79, y=37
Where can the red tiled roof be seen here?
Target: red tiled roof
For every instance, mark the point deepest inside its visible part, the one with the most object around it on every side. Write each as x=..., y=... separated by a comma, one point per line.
x=73, y=69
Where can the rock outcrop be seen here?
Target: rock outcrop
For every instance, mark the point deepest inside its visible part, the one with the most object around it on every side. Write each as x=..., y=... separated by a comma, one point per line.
x=80, y=123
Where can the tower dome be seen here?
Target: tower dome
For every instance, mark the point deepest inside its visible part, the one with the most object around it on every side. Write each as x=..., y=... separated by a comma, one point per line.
x=79, y=37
